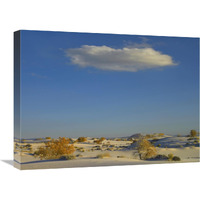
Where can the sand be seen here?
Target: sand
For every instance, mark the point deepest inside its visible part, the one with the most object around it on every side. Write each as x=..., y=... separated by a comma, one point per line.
x=119, y=151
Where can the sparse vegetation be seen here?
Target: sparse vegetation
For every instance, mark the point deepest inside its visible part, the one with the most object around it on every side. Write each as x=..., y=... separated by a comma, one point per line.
x=55, y=149
x=79, y=155
x=99, y=141
x=170, y=157
x=67, y=157
x=82, y=139
x=39, y=139
x=80, y=149
x=103, y=155
x=48, y=138
x=176, y=158
x=146, y=150
x=160, y=157
x=121, y=156
x=193, y=133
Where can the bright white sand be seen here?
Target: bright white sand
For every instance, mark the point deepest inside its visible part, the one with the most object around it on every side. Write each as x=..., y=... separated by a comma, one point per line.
x=89, y=158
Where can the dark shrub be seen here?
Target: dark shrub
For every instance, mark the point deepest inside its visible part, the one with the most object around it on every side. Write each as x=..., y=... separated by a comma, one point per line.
x=161, y=157
x=176, y=158
x=68, y=157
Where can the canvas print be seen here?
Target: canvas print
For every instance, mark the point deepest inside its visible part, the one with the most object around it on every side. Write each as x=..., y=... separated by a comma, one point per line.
x=88, y=99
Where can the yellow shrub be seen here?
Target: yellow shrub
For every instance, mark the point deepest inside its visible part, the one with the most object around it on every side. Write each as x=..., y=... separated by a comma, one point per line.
x=170, y=156
x=98, y=141
x=146, y=149
x=55, y=149
x=82, y=139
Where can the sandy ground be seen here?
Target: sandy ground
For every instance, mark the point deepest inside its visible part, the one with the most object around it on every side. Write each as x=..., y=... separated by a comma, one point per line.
x=120, y=154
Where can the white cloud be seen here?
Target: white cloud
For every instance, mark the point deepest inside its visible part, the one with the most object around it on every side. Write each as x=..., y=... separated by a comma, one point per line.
x=125, y=59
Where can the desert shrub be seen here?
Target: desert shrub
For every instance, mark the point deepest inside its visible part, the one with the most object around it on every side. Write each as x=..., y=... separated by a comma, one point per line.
x=121, y=156
x=181, y=146
x=82, y=139
x=155, y=139
x=146, y=149
x=28, y=145
x=79, y=155
x=170, y=156
x=133, y=141
x=105, y=145
x=67, y=157
x=55, y=149
x=193, y=133
x=176, y=158
x=48, y=138
x=39, y=139
x=160, y=157
x=103, y=155
x=118, y=139
x=99, y=141
x=161, y=134
x=148, y=136
x=80, y=149
x=102, y=138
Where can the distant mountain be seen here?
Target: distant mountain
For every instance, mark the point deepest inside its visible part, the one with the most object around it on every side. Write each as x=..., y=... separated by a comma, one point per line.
x=136, y=136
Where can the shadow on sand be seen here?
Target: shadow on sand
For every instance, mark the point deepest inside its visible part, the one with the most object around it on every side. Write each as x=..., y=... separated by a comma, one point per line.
x=52, y=160
x=10, y=162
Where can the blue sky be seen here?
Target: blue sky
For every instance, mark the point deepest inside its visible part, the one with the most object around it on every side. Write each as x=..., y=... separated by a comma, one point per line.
x=80, y=84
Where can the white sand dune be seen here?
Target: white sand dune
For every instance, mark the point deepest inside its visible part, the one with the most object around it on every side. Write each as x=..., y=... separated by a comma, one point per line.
x=120, y=154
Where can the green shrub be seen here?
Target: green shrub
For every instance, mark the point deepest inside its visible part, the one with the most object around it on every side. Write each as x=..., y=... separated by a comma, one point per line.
x=170, y=156
x=193, y=133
